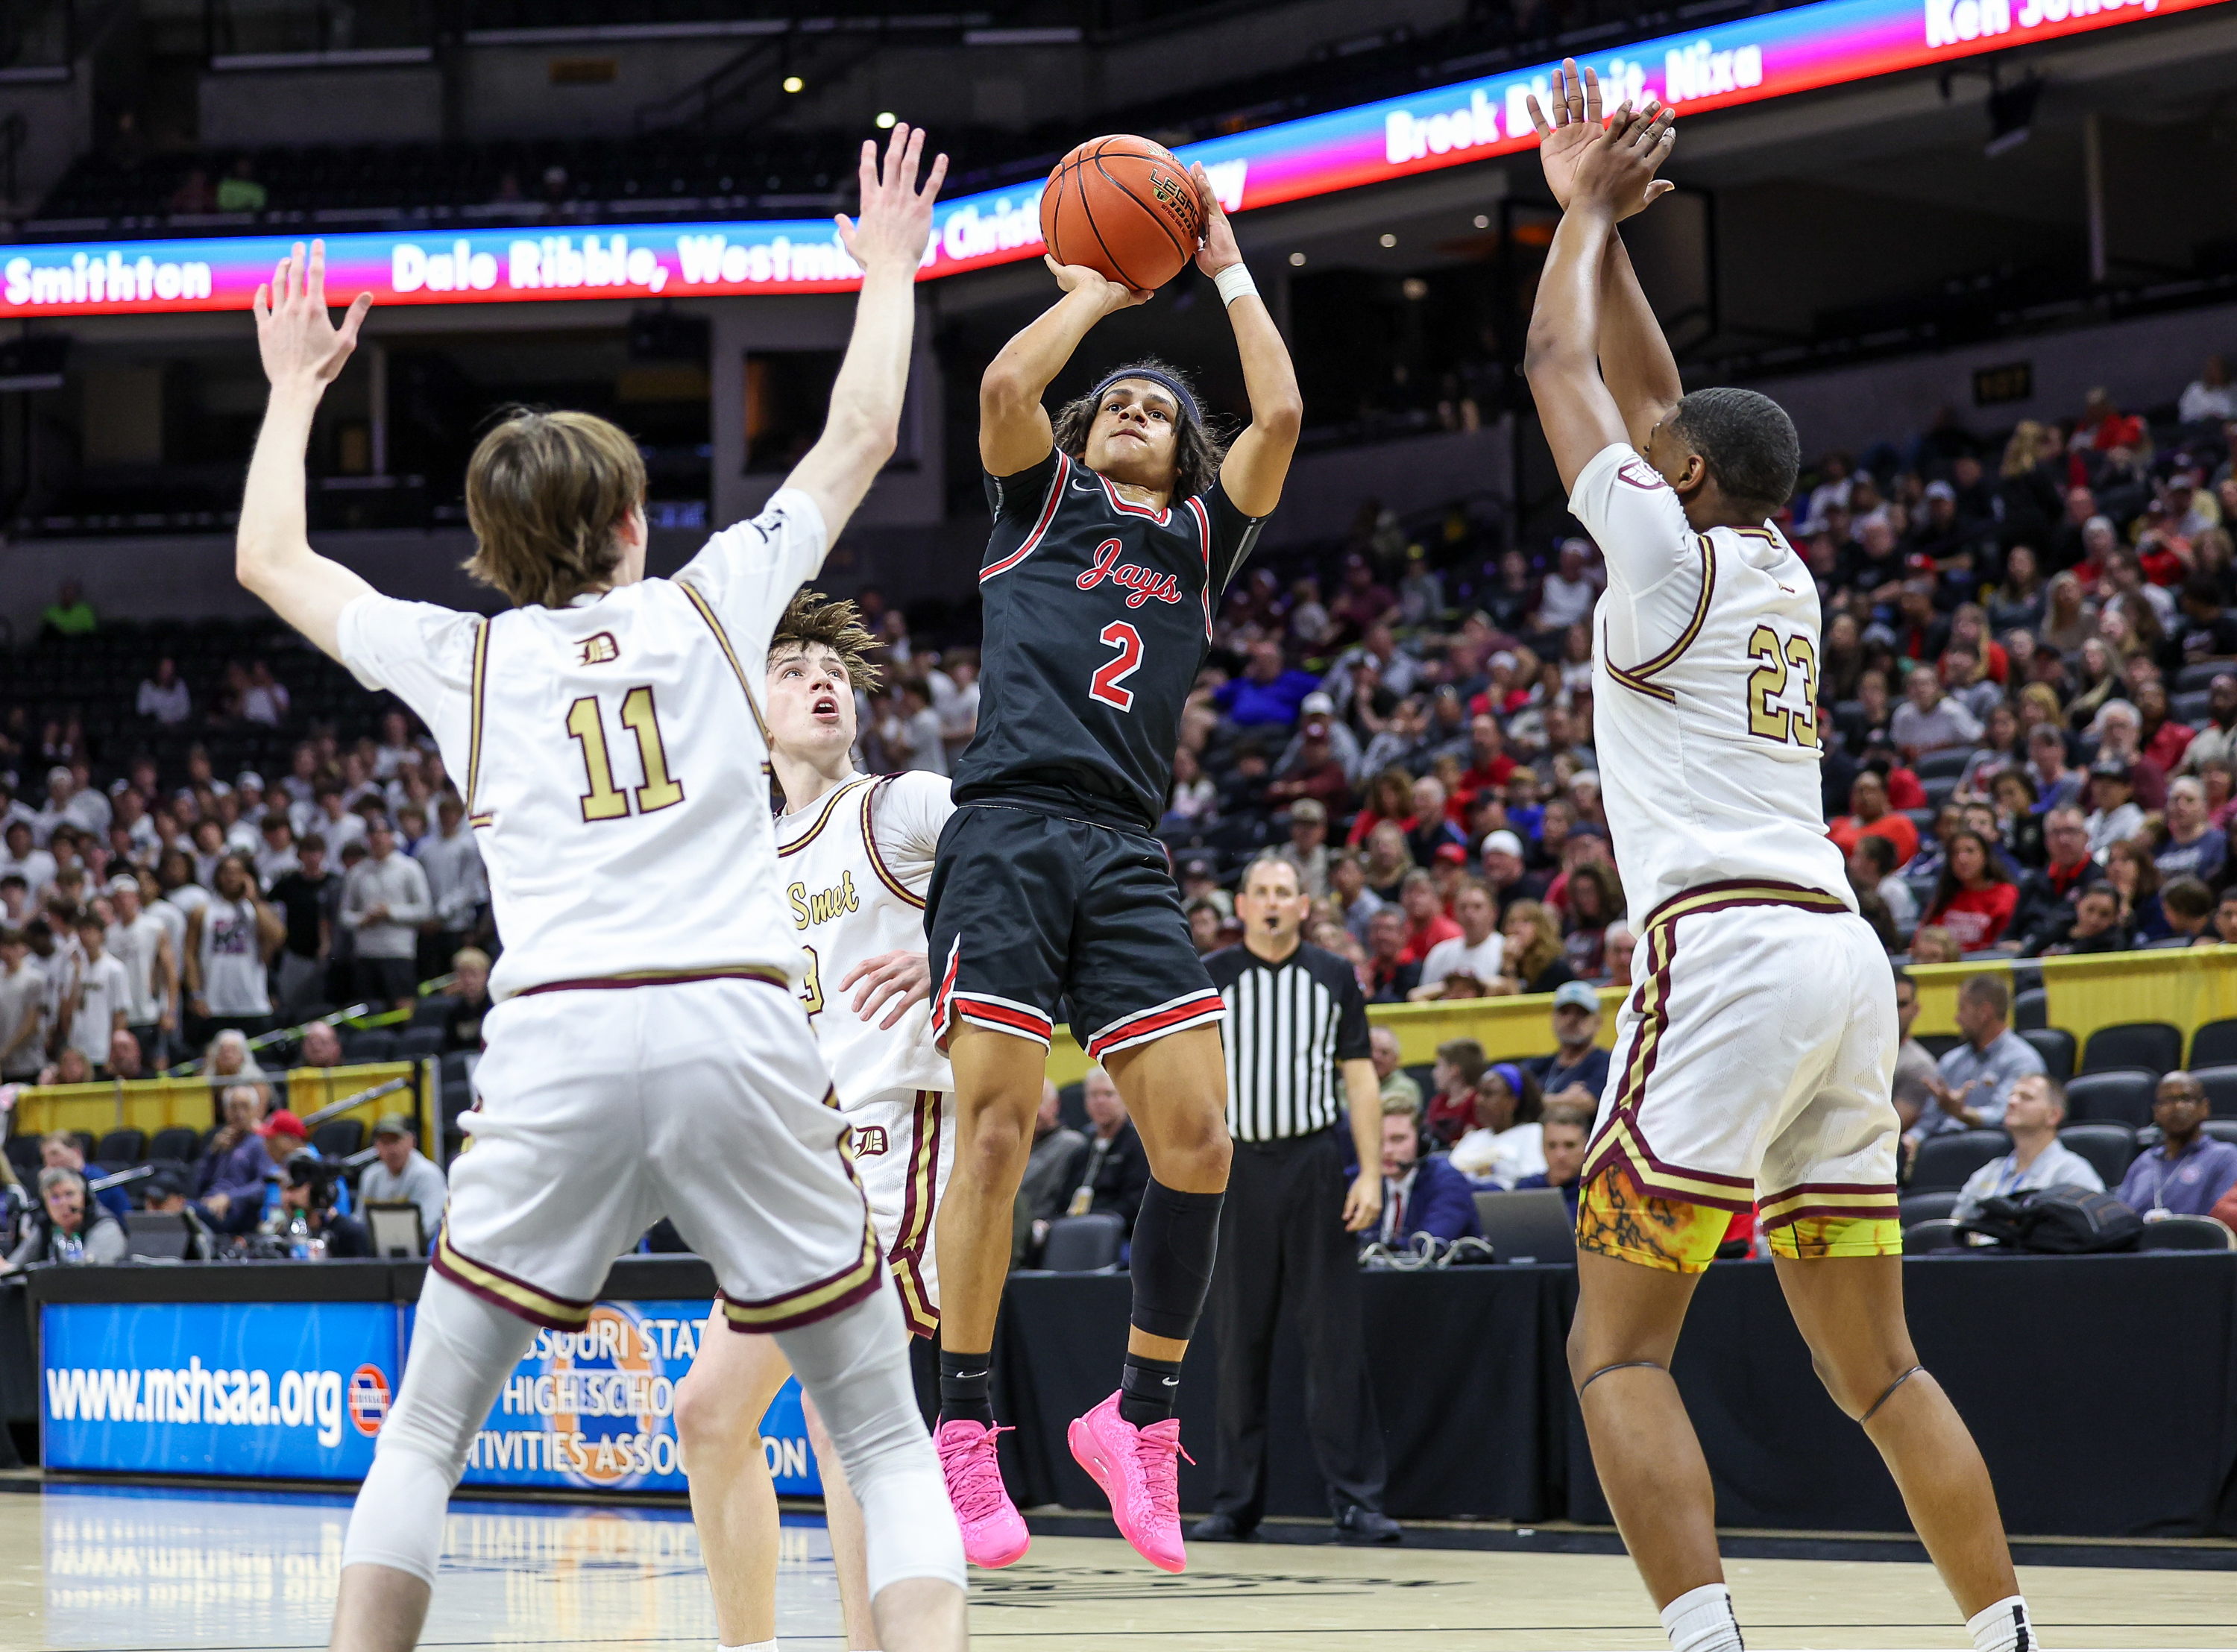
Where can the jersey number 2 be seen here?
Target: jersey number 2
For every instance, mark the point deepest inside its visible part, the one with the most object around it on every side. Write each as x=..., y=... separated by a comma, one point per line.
x=1767, y=684
x=1104, y=685
x=586, y=722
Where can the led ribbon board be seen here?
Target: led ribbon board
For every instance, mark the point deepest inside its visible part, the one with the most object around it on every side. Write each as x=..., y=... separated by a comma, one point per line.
x=1748, y=60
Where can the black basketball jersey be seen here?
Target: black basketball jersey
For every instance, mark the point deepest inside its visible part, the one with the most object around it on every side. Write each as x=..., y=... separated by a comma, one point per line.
x=1097, y=617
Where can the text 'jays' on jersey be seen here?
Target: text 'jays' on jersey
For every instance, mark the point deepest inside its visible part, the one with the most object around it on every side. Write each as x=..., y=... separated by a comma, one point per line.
x=615, y=758
x=1097, y=618
x=1705, y=696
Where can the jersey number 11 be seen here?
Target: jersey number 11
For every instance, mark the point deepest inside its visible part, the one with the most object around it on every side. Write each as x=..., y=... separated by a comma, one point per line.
x=586, y=722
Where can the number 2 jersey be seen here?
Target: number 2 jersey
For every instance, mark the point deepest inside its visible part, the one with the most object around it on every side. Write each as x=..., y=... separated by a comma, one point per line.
x=613, y=759
x=1705, y=696
x=1098, y=617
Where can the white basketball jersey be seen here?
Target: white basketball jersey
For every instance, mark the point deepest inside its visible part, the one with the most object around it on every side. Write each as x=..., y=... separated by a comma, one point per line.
x=614, y=758
x=1705, y=696
x=855, y=865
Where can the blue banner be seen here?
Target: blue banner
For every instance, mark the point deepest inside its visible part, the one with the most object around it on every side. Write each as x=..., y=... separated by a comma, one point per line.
x=262, y=1389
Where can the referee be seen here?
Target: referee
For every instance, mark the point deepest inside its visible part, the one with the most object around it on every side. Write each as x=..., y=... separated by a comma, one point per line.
x=1296, y=1020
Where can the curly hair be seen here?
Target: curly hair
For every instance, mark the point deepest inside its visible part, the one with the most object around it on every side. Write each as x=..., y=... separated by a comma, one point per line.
x=813, y=619
x=1197, y=449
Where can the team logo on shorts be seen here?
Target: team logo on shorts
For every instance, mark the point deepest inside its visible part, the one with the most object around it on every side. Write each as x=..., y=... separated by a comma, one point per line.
x=368, y=1399
x=601, y=649
x=870, y=1140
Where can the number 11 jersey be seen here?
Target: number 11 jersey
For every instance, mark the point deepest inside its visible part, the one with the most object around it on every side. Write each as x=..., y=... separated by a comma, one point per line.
x=1098, y=616
x=1705, y=696
x=613, y=760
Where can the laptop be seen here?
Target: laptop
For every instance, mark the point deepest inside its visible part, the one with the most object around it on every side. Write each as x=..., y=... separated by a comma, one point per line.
x=1531, y=1225
x=394, y=1227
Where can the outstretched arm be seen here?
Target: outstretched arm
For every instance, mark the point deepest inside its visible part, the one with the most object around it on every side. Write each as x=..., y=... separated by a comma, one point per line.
x=1257, y=461
x=1015, y=433
x=888, y=242
x=302, y=351
x=1575, y=408
x=1635, y=360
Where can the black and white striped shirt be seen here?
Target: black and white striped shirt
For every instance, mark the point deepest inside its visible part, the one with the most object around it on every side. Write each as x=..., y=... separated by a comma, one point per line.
x=1289, y=1024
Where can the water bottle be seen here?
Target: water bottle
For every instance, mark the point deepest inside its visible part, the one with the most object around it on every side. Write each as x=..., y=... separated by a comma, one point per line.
x=316, y=1250
x=299, y=1237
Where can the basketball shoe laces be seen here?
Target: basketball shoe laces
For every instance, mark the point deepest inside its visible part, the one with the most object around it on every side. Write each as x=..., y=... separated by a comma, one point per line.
x=1155, y=1448
x=976, y=1487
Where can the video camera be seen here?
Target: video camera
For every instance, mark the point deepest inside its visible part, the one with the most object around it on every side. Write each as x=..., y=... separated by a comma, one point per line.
x=321, y=1176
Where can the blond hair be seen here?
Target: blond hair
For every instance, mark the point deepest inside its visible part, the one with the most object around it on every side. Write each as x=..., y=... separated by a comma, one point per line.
x=813, y=619
x=546, y=496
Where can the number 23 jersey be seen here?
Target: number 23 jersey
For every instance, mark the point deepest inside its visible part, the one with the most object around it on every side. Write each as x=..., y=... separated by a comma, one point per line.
x=612, y=758
x=1705, y=696
x=1097, y=617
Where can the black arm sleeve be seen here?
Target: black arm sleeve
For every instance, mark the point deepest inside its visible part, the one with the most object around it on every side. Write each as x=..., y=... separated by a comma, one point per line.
x=1234, y=537
x=1018, y=498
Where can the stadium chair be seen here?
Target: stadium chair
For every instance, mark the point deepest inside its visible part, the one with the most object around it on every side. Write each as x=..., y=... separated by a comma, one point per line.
x=418, y=1044
x=2122, y=1097
x=338, y=1137
x=123, y=1147
x=2153, y=1045
x=1945, y=1161
x=2166, y=943
x=2187, y=1233
x=1930, y=1236
x=2222, y=1130
x=1923, y=819
x=2199, y=674
x=375, y=1045
x=2055, y=1046
x=1939, y=788
x=1423, y=1075
x=85, y=1143
x=433, y=1010
x=2220, y=1083
x=181, y=1142
x=1085, y=1244
x=2215, y=1045
x=2031, y=1010
x=2108, y=1148
x=1916, y=1207
x=1947, y=764
x=159, y=1236
x=2190, y=706
x=23, y=1154
x=1939, y=1044
x=1072, y=1106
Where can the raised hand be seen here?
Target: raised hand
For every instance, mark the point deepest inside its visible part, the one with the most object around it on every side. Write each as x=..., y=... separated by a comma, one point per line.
x=295, y=333
x=1616, y=170
x=1219, y=249
x=896, y=217
x=1575, y=123
x=1079, y=278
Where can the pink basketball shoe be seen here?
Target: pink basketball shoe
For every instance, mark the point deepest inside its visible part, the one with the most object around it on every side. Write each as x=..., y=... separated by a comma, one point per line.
x=1136, y=1469
x=993, y=1535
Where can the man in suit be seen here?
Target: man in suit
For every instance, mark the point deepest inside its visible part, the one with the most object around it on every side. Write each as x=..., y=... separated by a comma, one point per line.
x=1421, y=1195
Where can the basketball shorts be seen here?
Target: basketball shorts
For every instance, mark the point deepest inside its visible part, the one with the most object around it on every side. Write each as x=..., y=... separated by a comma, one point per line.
x=598, y=1111
x=1026, y=910
x=1753, y=1066
x=904, y=1146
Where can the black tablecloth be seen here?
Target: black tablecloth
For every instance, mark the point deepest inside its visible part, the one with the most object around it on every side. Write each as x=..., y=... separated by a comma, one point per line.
x=2103, y=1389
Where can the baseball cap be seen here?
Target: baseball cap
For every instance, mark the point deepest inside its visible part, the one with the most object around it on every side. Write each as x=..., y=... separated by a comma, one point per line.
x=123, y=881
x=1197, y=866
x=1309, y=808
x=284, y=1123
x=1576, y=995
x=1317, y=704
x=2110, y=767
x=1503, y=843
x=394, y=1124
x=1451, y=854
x=1941, y=490
x=249, y=777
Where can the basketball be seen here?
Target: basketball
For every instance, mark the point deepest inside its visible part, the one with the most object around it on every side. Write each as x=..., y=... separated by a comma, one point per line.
x=1123, y=206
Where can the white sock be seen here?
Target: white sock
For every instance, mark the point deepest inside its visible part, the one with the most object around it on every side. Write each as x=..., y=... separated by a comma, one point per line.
x=757, y=1646
x=2004, y=1627
x=1701, y=1620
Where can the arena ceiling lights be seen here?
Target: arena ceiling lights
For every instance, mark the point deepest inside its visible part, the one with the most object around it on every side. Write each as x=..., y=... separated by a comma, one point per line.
x=1748, y=60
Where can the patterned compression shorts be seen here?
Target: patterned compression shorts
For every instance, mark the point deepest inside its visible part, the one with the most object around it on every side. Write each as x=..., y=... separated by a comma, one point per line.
x=1614, y=1218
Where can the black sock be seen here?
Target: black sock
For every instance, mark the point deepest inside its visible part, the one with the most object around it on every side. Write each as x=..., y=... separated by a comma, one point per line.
x=963, y=1396
x=1148, y=1389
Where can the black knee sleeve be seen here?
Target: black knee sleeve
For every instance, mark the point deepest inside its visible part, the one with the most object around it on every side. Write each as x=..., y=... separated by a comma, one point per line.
x=1176, y=1240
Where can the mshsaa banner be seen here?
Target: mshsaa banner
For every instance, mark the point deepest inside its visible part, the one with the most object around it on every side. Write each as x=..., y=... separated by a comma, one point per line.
x=262, y=1389
x=594, y=1410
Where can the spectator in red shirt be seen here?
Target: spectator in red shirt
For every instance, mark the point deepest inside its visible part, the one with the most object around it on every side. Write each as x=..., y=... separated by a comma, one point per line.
x=2105, y=427
x=1488, y=763
x=1391, y=798
x=1425, y=922
x=1974, y=901
x=1869, y=811
x=1451, y=1112
x=2160, y=740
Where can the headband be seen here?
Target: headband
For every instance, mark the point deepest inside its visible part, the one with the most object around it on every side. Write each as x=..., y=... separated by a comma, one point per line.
x=1511, y=1075
x=1181, y=392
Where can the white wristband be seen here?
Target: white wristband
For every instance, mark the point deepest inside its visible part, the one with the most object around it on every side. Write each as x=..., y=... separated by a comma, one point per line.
x=1234, y=282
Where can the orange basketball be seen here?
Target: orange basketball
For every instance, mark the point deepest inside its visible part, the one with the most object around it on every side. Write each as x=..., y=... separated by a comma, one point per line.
x=1123, y=206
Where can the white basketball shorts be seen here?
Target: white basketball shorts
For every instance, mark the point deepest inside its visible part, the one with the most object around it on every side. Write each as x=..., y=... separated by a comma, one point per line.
x=904, y=1147
x=600, y=1108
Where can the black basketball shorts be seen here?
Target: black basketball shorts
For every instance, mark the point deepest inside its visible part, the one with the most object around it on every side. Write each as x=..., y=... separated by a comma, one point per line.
x=1027, y=910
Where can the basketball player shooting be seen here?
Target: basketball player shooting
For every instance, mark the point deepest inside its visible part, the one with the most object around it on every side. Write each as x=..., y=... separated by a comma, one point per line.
x=646, y=1055
x=1754, y=1058
x=854, y=855
x=1116, y=526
